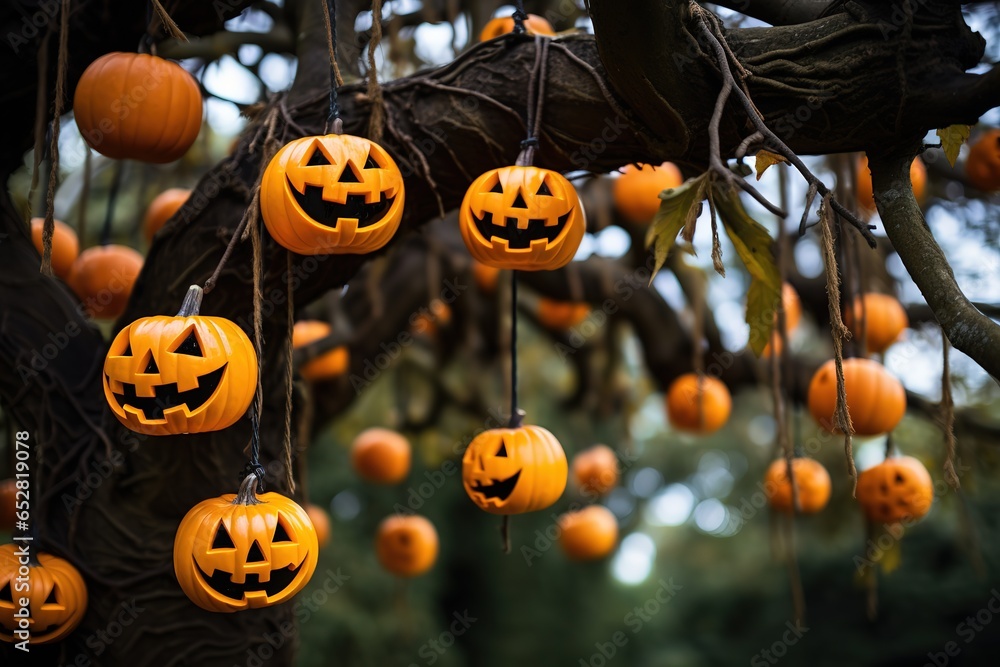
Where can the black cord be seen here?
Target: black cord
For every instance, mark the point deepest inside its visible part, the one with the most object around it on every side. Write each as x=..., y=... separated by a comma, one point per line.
x=519, y=17
x=516, y=415
x=334, y=105
x=109, y=215
x=253, y=466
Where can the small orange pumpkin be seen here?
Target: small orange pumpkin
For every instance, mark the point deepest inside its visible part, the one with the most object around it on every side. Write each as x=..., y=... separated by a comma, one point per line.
x=8, y=500
x=863, y=183
x=588, y=534
x=381, y=456
x=982, y=166
x=561, y=315
x=876, y=401
x=102, y=278
x=533, y=25
x=406, y=546
x=793, y=315
x=334, y=194
x=687, y=413
x=321, y=522
x=884, y=320
x=427, y=320
x=486, y=277
x=812, y=484
x=54, y=589
x=184, y=374
x=332, y=363
x=65, y=245
x=595, y=470
x=636, y=192
x=138, y=107
x=243, y=551
x=162, y=208
x=524, y=218
x=898, y=489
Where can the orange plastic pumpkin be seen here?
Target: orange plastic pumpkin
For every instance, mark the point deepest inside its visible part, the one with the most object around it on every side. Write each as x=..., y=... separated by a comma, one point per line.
x=330, y=364
x=334, y=194
x=427, y=320
x=162, y=208
x=876, y=401
x=55, y=592
x=636, y=192
x=102, y=278
x=138, y=107
x=863, y=183
x=812, y=484
x=595, y=470
x=533, y=25
x=687, y=413
x=321, y=522
x=588, y=534
x=184, y=374
x=65, y=245
x=244, y=551
x=8, y=498
x=561, y=315
x=884, y=320
x=406, y=546
x=486, y=277
x=982, y=165
x=514, y=470
x=793, y=315
x=524, y=218
x=381, y=455
x=898, y=489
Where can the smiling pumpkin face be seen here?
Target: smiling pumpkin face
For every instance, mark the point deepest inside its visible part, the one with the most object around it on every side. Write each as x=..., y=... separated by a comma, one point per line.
x=332, y=194
x=56, y=594
x=514, y=470
x=524, y=218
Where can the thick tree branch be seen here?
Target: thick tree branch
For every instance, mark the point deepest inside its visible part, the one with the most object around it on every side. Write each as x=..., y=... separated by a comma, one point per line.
x=782, y=12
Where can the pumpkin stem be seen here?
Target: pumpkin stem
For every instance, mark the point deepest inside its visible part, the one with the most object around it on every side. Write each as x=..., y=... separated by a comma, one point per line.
x=192, y=302
x=247, y=494
x=516, y=419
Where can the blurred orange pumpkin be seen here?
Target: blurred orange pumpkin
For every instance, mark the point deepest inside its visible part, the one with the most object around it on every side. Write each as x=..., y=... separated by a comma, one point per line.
x=899, y=488
x=102, y=278
x=428, y=319
x=65, y=245
x=486, y=277
x=876, y=401
x=636, y=191
x=812, y=484
x=588, y=534
x=406, y=545
x=595, y=470
x=982, y=166
x=321, y=522
x=330, y=364
x=533, y=25
x=793, y=315
x=687, y=413
x=561, y=315
x=162, y=208
x=884, y=320
x=381, y=455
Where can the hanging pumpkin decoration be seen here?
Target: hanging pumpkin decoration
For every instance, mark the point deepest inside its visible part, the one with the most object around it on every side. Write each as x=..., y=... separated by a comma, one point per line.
x=876, y=401
x=162, y=208
x=636, y=192
x=898, y=489
x=332, y=194
x=812, y=485
x=65, y=245
x=8, y=500
x=102, y=278
x=884, y=320
x=134, y=106
x=184, y=374
x=328, y=365
x=561, y=315
x=792, y=306
x=321, y=522
x=982, y=165
x=56, y=594
x=698, y=407
x=514, y=470
x=588, y=534
x=381, y=456
x=244, y=551
x=595, y=470
x=406, y=546
x=486, y=277
x=863, y=183
x=427, y=320
x=533, y=25
x=524, y=218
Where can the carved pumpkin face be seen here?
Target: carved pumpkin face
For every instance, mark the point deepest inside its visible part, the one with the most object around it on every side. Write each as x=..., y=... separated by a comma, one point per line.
x=335, y=194
x=514, y=470
x=57, y=598
x=406, y=545
x=523, y=218
x=231, y=555
x=185, y=374
x=898, y=489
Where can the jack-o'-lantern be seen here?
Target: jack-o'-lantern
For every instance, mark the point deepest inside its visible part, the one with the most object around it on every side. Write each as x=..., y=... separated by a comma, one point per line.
x=533, y=25
x=327, y=365
x=524, y=218
x=898, y=489
x=185, y=374
x=102, y=278
x=812, y=485
x=162, y=208
x=381, y=455
x=595, y=470
x=8, y=500
x=698, y=405
x=56, y=595
x=588, y=534
x=321, y=522
x=332, y=194
x=876, y=401
x=884, y=320
x=514, y=470
x=406, y=545
x=244, y=551
x=65, y=245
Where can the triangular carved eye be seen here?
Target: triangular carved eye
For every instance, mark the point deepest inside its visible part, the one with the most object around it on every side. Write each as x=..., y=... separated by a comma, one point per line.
x=497, y=188
x=349, y=175
x=519, y=202
x=503, y=450
x=222, y=539
x=317, y=159
x=544, y=189
x=256, y=554
x=51, y=599
x=151, y=366
x=280, y=534
x=190, y=346
x=6, y=594
x=370, y=163
x=128, y=349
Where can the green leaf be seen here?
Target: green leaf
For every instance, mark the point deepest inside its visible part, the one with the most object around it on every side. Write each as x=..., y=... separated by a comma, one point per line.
x=753, y=244
x=952, y=139
x=679, y=209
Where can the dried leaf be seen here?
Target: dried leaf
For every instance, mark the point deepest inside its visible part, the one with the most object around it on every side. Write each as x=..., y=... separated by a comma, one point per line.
x=765, y=159
x=678, y=210
x=952, y=139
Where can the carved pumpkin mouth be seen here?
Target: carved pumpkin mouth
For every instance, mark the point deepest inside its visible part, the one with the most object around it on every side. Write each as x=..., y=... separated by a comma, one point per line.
x=167, y=396
x=514, y=235
x=329, y=213
x=222, y=582
x=498, y=488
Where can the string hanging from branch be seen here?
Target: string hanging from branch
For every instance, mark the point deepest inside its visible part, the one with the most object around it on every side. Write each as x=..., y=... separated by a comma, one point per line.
x=948, y=416
x=376, y=118
x=333, y=122
x=48, y=228
x=289, y=371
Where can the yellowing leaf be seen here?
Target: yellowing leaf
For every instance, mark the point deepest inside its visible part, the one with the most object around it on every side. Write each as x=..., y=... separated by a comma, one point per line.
x=765, y=159
x=952, y=139
x=679, y=209
x=891, y=558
